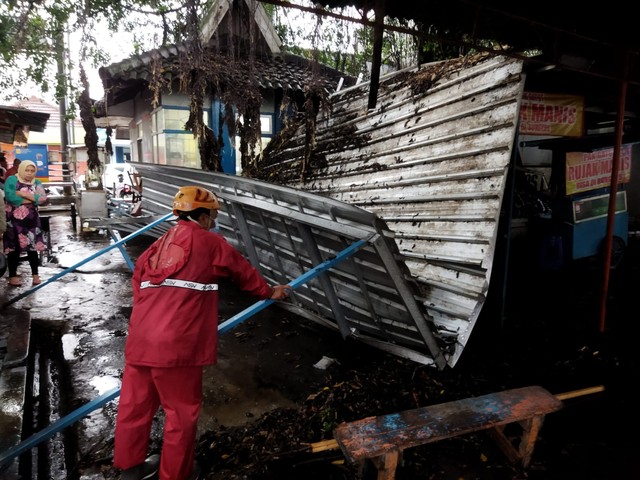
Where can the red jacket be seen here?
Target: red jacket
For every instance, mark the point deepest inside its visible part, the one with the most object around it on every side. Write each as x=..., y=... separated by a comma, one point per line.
x=176, y=323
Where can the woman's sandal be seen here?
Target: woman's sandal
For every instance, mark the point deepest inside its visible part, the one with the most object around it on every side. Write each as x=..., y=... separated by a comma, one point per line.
x=15, y=281
x=36, y=280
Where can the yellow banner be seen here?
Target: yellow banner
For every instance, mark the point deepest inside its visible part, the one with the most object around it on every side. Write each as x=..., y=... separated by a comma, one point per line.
x=588, y=171
x=551, y=114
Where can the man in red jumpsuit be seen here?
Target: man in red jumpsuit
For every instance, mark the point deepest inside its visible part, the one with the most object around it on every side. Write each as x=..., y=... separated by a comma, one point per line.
x=173, y=333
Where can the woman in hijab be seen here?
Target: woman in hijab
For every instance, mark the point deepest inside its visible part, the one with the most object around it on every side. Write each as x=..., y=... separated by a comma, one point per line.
x=23, y=194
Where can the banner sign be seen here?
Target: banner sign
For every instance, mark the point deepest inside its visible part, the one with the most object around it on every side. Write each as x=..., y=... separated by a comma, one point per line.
x=551, y=114
x=38, y=155
x=592, y=170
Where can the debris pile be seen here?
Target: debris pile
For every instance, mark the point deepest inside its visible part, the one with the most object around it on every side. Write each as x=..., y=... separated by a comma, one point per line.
x=280, y=443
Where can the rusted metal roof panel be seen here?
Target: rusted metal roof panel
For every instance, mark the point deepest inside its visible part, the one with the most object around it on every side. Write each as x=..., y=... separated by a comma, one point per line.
x=431, y=160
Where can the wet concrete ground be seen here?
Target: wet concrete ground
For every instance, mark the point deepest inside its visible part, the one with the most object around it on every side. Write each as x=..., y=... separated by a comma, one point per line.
x=547, y=337
x=88, y=310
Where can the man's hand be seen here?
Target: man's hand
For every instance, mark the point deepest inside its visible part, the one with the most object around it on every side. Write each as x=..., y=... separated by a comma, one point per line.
x=278, y=292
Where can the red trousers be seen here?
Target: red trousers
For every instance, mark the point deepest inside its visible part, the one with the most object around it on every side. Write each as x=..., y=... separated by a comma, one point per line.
x=144, y=389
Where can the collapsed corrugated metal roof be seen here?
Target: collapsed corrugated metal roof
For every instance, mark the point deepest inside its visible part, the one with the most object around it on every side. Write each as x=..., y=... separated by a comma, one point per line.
x=123, y=80
x=431, y=161
x=426, y=171
x=284, y=232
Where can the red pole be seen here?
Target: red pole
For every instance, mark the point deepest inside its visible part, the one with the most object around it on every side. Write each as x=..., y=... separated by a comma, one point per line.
x=613, y=192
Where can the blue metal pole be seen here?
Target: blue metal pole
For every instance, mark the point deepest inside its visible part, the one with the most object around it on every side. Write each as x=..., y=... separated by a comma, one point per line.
x=116, y=236
x=86, y=260
x=83, y=411
x=55, y=427
x=302, y=279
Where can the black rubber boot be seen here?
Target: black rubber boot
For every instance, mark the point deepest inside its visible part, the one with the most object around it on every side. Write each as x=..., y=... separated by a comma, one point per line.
x=145, y=471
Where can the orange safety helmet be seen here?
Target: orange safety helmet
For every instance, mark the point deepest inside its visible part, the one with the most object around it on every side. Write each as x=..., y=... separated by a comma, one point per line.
x=190, y=198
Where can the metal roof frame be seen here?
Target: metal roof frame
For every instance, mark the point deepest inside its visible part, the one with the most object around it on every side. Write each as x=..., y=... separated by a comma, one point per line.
x=284, y=232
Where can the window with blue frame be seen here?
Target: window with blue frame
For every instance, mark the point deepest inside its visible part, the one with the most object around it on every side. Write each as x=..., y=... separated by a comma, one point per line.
x=172, y=144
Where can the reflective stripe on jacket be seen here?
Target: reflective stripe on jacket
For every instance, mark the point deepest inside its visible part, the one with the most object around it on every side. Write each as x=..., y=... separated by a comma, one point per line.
x=177, y=326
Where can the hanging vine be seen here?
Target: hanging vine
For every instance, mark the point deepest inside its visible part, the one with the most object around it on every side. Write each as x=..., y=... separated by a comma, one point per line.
x=88, y=122
x=201, y=72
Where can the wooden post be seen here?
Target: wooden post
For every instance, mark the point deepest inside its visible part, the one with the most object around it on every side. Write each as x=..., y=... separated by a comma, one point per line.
x=613, y=192
x=376, y=61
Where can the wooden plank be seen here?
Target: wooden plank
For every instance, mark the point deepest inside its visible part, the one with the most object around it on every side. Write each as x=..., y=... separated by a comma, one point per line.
x=581, y=392
x=374, y=436
x=323, y=445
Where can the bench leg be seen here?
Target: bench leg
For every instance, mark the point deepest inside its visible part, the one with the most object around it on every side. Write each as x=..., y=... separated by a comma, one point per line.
x=386, y=464
x=530, y=429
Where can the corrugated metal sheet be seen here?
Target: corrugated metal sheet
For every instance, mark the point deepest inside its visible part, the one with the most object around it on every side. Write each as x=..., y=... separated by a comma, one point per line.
x=286, y=232
x=431, y=160
x=424, y=173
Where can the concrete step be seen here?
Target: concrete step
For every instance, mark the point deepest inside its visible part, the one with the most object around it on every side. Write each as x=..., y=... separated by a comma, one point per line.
x=15, y=326
x=15, y=334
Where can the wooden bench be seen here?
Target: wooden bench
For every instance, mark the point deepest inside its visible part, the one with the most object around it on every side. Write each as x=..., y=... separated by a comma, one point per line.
x=382, y=439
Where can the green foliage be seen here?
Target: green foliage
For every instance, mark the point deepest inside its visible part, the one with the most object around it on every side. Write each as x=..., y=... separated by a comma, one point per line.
x=342, y=44
x=433, y=50
x=330, y=41
x=37, y=38
x=31, y=34
x=399, y=50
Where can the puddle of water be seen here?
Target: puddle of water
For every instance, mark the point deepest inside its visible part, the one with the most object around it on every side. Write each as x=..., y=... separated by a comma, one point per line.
x=69, y=344
x=103, y=360
x=105, y=383
x=108, y=261
x=11, y=405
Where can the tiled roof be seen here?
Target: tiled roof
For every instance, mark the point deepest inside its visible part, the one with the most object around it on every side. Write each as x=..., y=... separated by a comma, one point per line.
x=124, y=79
x=19, y=115
x=35, y=104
